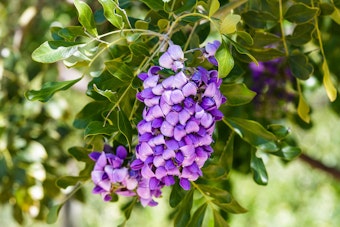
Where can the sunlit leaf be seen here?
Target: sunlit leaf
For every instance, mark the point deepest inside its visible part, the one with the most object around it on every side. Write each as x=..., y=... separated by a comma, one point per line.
x=110, y=14
x=237, y=94
x=224, y=59
x=85, y=17
x=214, y=6
x=53, y=213
x=229, y=24
x=49, y=89
x=327, y=82
x=303, y=108
x=259, y=170
x=300, y=13
x=53, y=51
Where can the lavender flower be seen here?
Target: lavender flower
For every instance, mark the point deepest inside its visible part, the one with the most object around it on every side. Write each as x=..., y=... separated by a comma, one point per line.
x=173, y=58
x=111, y=174
x=210, y=50
x=178, y=120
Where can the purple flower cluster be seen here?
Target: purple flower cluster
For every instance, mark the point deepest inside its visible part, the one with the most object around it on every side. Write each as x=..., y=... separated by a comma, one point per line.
x=178, y=121
x=175, y=134
x=110, y=174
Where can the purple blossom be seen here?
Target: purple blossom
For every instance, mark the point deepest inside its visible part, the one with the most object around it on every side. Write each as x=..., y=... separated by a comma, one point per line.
x=173, y=58
x=179, y=119
x=210, y=51
x=110, y=175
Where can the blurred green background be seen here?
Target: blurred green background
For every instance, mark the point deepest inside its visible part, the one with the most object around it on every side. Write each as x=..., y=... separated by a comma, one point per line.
x=34, y=138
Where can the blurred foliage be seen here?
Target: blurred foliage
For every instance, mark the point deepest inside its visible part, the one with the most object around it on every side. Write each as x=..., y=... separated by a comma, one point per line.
x=296, y=43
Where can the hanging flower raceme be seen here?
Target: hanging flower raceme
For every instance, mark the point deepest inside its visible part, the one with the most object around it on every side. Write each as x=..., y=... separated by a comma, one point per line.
x=175, y=134
x=178, y=120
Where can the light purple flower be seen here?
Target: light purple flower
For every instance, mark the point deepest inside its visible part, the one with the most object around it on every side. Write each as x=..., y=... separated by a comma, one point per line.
x=210, y=51
x=173, y=58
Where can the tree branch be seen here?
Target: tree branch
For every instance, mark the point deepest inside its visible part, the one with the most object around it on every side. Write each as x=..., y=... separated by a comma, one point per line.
x=321, y=166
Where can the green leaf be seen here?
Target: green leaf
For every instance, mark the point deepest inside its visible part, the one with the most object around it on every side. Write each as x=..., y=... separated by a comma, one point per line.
x=119, y=70
x=219, y=221
x=253, y=133
x=300, y=13
x=214, y=172
x=336, y=15
x=139, y=49
x=49, y=89
x=91, y=112
x=327, y=82
x=266, y=54
x=303, y=108
x=229, y=24
x=259, y=19
x=127, y=208
x=237, y=94
x=110, y=13
x=299, y=65
x=241, y=49
x=288, y=152
x=97, y=128
x=279, y=131
x=176, y=196
x=53, y=51
x=85, y=17
x=224, y=59
x=155, y=5
x=183, y=212
x=246, y=37
x=218, y=194
x=79, y=153
x=302, y=34
x=64, y=182
x=53, y=213
x=232, y=207
x=71, y=33
x=214, y=6
x=110, y=95
x=124, y=127
x=263, y=39
x=259, y=170
x=226, y=158
x=198, y=216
